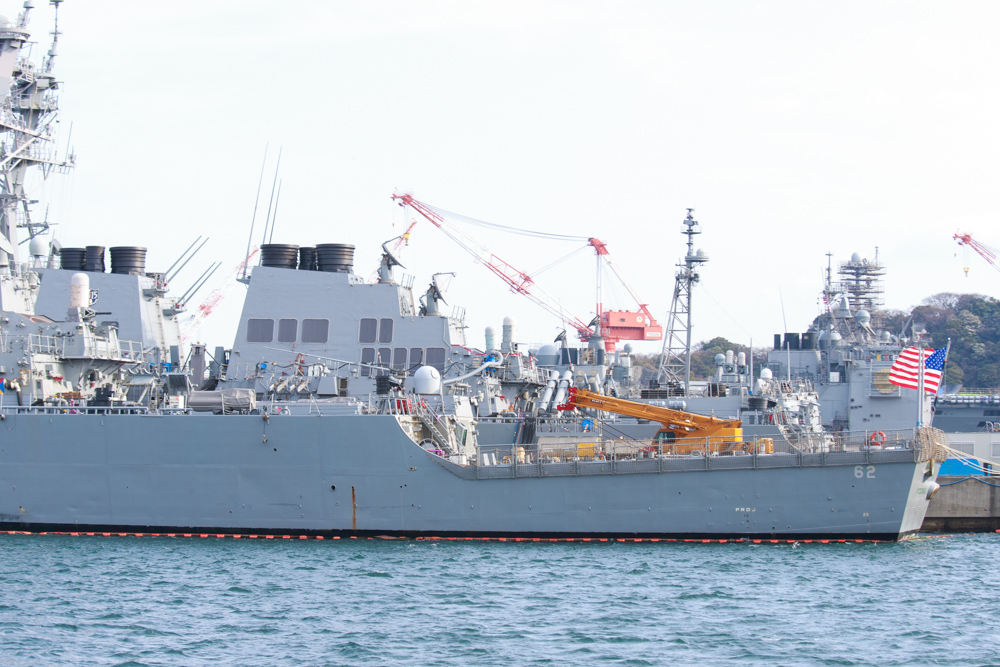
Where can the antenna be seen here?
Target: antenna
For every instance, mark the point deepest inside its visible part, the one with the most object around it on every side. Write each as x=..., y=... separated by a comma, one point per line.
x=788, y=348
x=169, y=277
x=275, y=218
x=254, y=218
x=69, y=142
x=191, y=291
x=267, y=221
x=53, y=51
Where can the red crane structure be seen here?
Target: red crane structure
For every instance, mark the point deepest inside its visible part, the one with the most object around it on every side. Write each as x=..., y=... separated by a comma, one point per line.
x=218, y=294
x=986, y=252
x=612, y=325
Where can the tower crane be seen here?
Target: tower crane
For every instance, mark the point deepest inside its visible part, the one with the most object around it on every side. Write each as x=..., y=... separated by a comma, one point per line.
x=611, y=325
x=986, y=252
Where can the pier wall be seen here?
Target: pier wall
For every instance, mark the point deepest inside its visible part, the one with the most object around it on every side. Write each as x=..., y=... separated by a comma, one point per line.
x=964, y=504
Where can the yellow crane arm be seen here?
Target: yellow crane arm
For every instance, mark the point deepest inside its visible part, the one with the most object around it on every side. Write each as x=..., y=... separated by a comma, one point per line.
x=688, y=423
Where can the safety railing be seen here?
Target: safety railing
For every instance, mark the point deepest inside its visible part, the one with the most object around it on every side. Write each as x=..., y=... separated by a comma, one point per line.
x=598, y=456
x=69, y=409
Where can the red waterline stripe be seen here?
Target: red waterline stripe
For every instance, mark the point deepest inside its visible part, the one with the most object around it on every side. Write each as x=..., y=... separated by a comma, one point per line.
x=485, y=539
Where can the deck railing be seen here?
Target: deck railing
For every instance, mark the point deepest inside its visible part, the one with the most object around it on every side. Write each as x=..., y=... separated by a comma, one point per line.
x=612, y=457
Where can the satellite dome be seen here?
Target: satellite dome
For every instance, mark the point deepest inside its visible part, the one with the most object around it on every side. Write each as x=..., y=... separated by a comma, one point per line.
x=628, y=348
x=885, y=337
x=856, y=258
x=863, y=316
x=822, y=335
x=4, y=21
x=547, y=355
x=765, y=374
x=835, y=337
x=720, y=359
x=37, y=247
x=427, y=380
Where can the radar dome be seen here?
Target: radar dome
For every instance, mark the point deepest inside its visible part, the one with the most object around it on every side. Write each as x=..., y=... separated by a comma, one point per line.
x=863, y=316
x=720, y=359
x=548, y=355
x=79, y=290
x=427, y=380
x=885, y=337
x=628, y=348
x=765, y=374
x=38, y=247
x=856, y=258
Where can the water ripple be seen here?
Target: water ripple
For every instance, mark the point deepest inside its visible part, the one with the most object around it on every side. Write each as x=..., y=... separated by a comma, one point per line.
x=156, y=603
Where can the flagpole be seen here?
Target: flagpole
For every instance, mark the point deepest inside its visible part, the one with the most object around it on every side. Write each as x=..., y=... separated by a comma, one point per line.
x=920, y=384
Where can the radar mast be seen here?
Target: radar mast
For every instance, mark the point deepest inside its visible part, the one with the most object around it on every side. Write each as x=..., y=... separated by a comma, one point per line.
x=675, y=360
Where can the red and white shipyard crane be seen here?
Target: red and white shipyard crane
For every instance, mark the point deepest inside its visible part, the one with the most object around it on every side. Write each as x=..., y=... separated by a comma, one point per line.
x=612, y=325
x=986, y=252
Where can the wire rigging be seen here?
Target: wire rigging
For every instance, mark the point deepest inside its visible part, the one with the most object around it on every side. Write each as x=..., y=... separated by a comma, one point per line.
x=492, y=225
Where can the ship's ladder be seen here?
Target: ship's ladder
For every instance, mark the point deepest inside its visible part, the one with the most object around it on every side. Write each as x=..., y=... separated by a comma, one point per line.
x=436, y=425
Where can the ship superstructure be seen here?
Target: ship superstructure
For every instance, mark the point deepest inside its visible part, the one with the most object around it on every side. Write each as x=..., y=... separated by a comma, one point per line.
x=847, y=356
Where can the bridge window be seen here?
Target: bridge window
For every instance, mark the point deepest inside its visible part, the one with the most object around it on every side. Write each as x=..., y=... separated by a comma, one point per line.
x=367, y=359
x=315, y=331
x=369, y=325
x=384, y=360
x=287, y=330
x=435, y=358
x=416, y=357
x=260, y=331
x=399, y=359
x=385, y=330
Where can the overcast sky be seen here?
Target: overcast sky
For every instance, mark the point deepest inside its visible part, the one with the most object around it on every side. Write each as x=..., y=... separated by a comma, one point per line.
x=792, y=128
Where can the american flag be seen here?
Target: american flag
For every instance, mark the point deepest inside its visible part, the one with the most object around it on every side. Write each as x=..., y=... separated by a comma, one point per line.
x=905, y=369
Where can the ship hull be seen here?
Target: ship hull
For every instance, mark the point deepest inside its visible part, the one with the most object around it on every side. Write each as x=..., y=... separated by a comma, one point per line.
x=361, y=475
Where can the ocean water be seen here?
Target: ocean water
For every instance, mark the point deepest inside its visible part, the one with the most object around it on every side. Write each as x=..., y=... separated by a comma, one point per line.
x=188, y=601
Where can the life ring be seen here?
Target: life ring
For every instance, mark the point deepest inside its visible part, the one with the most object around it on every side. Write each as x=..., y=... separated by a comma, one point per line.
x=876, y=438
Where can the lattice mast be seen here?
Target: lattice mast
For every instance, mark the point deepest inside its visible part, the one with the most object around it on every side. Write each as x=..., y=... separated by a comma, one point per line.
x=675, y=360
x=28, y=118
x=861, y=282
x=861, y=279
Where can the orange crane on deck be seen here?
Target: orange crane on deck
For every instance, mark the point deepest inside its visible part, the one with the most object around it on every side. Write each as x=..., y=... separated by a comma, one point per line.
x=682, y=432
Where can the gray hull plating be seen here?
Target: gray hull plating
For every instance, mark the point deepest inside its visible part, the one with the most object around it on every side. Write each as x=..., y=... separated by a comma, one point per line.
x=362, y=474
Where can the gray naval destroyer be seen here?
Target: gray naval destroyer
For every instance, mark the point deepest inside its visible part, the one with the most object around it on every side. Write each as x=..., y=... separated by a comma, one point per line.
x=350, y=408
